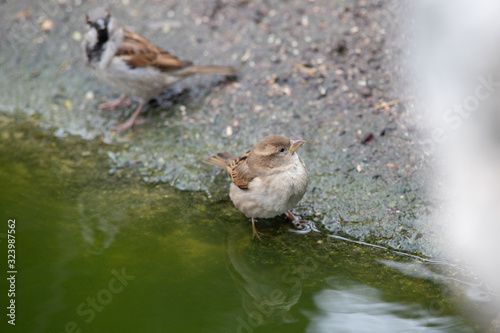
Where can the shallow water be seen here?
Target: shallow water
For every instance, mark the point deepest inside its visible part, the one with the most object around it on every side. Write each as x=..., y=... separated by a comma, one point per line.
x=104, y=253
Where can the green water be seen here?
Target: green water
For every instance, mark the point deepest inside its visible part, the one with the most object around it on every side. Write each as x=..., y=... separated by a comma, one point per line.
x=104, y=253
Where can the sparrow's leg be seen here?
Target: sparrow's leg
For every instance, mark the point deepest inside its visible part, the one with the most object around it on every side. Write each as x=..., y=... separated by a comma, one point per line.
x=111, y=105
x=298, y=223
x=255, y=232
x=131, y=121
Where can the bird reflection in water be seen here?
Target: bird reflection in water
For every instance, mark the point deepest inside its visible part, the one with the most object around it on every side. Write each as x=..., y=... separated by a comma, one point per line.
x=269, y=287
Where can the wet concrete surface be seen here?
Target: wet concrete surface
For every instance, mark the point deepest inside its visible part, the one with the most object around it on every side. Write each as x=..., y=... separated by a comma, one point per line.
x=317, y=70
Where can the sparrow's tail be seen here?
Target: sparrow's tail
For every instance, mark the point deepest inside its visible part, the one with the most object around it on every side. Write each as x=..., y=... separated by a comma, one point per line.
x=201, y=69
x=221, y=160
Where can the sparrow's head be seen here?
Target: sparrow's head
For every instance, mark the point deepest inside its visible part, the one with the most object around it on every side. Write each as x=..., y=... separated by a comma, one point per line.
x=100, y=28
x=98, y=19
x=100, y=25
x=274, y=152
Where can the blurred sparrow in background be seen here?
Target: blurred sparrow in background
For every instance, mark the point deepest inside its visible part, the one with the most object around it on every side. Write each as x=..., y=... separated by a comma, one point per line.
x=268, y=180
x=131, y=64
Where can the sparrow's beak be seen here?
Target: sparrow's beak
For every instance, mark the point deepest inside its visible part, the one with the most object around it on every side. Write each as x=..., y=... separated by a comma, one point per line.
x=296, y=144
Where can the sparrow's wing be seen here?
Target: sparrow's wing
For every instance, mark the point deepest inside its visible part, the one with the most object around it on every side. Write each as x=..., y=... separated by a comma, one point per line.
x=240, y=173
x=137, y=51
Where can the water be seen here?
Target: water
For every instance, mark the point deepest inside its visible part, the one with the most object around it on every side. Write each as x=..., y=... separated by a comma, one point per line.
x=106, y=253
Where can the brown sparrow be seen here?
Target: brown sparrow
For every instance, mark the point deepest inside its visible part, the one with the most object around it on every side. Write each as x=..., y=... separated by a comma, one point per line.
x=131, y=64
x=267, y=180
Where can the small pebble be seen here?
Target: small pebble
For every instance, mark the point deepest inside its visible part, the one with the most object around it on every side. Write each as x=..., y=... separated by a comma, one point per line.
x=47, y=25
x=367, y=138
x=68, y=104
x=89, y=96
x=305, y=21
x=366, y=92
x=77, y=36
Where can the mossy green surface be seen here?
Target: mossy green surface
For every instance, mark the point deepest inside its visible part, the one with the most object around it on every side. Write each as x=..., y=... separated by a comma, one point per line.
x=194, y=264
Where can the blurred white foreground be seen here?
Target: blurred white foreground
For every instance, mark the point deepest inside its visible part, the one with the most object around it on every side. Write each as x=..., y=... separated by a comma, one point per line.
x=457, y=58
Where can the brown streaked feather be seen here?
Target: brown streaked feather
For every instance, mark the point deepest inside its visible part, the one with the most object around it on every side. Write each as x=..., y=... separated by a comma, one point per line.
x=240, y=173
x=236, y=168
x=207, y=69
x=139, y=52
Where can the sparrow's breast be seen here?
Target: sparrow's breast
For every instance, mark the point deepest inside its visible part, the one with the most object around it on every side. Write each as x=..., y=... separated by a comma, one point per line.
x=271, y=195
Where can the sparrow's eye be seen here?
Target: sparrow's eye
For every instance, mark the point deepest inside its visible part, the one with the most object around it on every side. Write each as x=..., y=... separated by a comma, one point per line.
x=281, y=150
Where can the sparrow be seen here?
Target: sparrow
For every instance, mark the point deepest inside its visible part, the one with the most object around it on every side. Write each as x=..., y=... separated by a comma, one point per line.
x=268, y=180
x=133, y=65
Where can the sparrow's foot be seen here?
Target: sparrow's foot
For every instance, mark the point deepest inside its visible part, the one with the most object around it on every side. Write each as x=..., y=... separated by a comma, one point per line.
x=131, y=122
x=141, y=121
x=255, y=232
x=300, y=224
x=123, y=126
x=120, y=102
